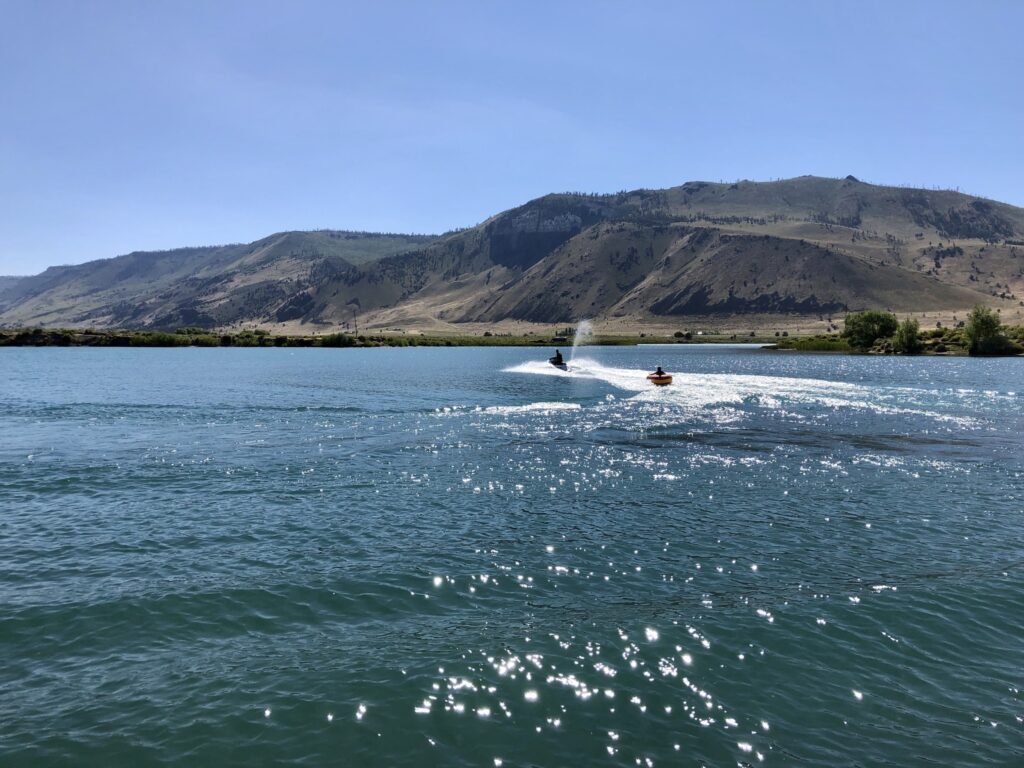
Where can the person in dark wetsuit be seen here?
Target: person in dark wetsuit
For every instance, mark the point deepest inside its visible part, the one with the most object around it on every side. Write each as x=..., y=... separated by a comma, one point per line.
x=557, y=359
x=659, y=372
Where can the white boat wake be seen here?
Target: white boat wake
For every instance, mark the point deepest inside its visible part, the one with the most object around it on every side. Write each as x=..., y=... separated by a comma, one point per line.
x=703, y=390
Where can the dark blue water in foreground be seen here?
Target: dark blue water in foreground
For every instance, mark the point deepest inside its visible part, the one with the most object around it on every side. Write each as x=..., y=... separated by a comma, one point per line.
x=457, y=557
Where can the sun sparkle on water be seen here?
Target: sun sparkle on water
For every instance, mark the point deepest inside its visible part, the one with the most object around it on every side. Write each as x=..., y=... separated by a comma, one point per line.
x=281, y=557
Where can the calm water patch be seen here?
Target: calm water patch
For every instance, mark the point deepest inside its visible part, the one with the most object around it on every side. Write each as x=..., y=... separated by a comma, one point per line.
x=467, y=557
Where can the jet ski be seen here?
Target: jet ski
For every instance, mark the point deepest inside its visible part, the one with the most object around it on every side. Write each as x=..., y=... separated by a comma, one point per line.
x=558, y=361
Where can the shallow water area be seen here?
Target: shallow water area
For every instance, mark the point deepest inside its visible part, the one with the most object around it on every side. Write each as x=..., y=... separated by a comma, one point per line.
x=469, y=557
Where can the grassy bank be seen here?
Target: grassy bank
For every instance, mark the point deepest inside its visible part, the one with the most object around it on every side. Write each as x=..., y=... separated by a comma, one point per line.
x=818, y=343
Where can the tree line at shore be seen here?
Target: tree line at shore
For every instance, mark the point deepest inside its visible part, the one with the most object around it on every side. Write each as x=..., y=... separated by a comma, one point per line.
x=198, y=337
x=870, y=331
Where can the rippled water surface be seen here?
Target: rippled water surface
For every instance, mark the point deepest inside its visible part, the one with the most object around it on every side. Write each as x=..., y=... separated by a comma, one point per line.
x=465, y=557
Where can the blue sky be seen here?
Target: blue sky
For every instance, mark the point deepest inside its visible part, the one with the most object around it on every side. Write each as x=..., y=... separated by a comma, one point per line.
x=147, y=125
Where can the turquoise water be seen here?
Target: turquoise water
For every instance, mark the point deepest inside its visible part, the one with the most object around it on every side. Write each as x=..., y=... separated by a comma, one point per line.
x=462, y=557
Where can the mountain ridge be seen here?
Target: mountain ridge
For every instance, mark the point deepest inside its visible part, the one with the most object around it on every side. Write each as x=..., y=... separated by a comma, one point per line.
x=808, y=246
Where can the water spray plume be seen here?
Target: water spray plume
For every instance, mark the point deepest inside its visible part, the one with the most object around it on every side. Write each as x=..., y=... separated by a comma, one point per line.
x=584, y=335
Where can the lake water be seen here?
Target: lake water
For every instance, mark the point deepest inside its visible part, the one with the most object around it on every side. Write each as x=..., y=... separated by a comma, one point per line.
x=465, y=557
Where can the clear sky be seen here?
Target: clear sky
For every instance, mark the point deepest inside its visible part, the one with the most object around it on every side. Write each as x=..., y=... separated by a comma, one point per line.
x=147, y=125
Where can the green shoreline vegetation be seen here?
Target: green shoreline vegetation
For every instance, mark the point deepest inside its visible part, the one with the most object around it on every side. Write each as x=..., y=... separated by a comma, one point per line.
x=877, y=332
x=197, y=337
x=868, y=332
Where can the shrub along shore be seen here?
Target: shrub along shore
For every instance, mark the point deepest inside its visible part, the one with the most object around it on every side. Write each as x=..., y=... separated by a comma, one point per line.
x=870, y=332
x=880, y=333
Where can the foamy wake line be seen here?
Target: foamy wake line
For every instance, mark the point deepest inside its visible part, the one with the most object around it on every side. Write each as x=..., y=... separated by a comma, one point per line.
x=697, y=391
x=586, y=368
x=537, y=369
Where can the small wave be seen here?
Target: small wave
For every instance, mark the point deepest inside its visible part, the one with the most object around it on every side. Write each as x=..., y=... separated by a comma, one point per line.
x=539, y=407
x=533, y=407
